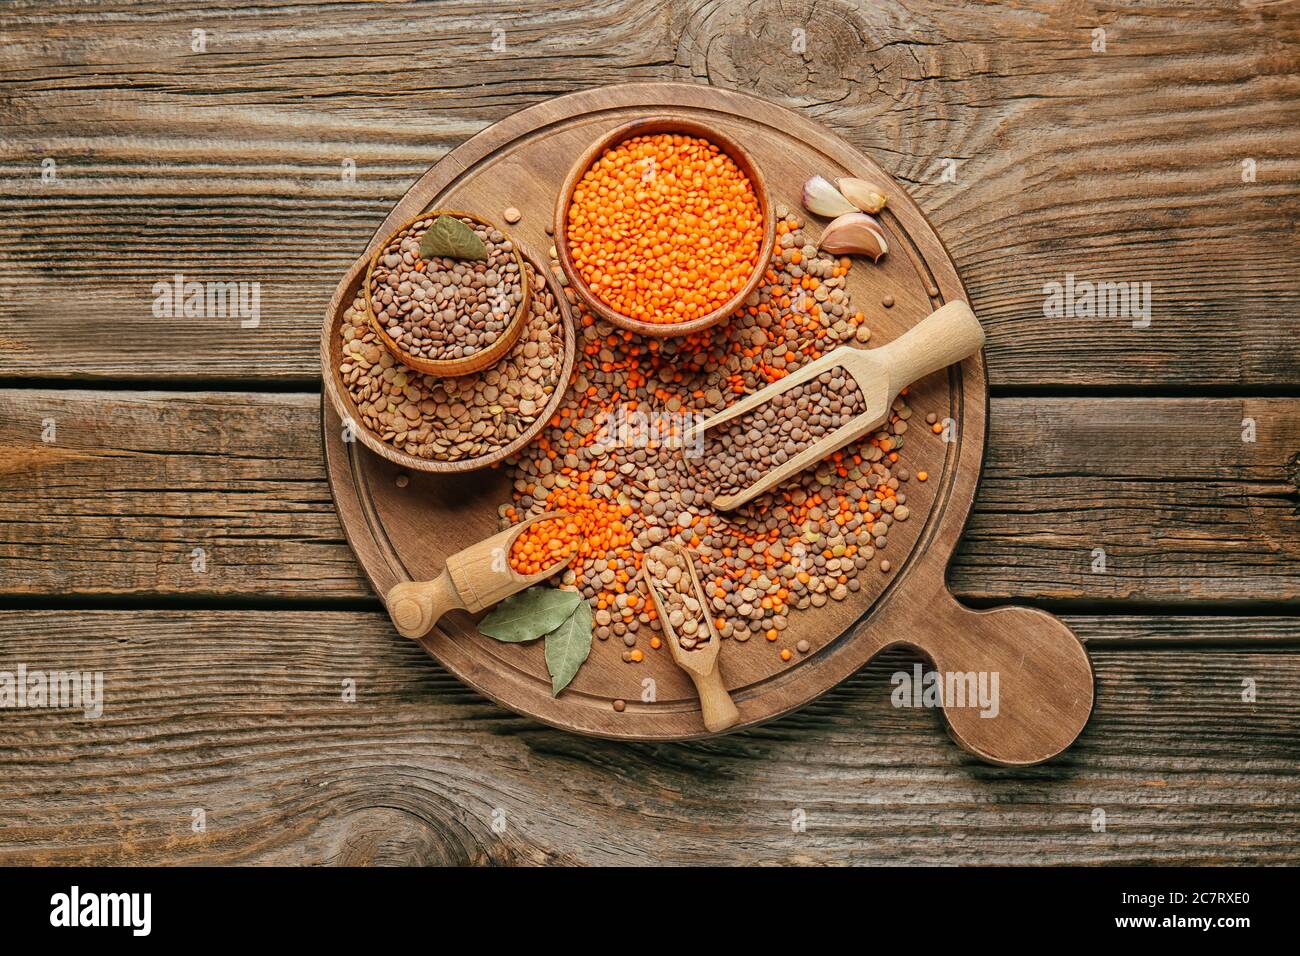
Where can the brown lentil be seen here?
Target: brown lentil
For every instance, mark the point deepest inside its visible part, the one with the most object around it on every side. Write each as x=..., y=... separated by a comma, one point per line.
x=672, y=578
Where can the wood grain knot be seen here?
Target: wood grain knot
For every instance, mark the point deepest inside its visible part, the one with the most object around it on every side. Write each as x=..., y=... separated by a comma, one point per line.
x=799, y=54
x=390, y=836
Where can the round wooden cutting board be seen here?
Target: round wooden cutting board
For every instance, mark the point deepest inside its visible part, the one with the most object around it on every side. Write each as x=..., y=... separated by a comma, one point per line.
x=1044, y=680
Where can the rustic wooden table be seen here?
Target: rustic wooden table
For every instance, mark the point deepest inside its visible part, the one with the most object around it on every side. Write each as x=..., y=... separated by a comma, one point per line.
x=166, y=519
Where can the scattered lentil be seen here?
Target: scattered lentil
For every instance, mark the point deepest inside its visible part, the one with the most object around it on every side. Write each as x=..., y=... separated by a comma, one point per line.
x=800, y=545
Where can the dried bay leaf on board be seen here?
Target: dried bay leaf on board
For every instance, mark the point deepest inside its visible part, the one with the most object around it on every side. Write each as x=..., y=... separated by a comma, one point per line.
x=568, y=646
x=530, y=614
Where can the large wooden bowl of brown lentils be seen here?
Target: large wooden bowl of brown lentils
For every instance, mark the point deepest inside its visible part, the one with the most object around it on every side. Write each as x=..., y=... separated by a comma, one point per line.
x=449, y=424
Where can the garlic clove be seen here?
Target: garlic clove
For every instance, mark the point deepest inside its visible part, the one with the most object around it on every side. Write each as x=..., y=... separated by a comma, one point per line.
x=821, y=197
x=866, y=196
x=854, y=233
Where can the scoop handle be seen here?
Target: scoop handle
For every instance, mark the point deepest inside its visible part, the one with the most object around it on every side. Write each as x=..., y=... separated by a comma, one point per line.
x=947, y=335
x=716, y=705
x=415, y=606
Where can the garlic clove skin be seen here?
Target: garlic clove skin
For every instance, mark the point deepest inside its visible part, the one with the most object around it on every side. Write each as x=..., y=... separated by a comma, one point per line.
x=854, y=233
x=864, y=195
x=822, y=198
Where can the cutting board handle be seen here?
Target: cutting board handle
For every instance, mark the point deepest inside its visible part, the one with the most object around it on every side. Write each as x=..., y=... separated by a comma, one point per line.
x=1032, y=678
x=415, y=606
x=1044, y=680
x=947, y=335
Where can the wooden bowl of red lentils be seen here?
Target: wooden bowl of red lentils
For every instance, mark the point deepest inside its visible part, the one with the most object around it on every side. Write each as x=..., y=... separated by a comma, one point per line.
x=664, y=227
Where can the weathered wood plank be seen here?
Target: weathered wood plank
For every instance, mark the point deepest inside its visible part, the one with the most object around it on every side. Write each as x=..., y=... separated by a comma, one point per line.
x=241, y=715
x=226, y=165
x=1183, y=508
x=134, y=482
x=153, y=492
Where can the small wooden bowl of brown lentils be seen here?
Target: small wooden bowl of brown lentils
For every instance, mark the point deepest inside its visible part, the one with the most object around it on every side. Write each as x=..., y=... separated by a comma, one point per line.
x=452, y=424
x=447, y=317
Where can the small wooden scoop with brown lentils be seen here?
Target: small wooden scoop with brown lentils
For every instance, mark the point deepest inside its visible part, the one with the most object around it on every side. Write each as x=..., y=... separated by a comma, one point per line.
x=683, y=610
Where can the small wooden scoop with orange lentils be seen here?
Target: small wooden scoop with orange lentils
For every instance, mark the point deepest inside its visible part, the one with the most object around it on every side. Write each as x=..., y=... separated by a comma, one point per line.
x=485, y=573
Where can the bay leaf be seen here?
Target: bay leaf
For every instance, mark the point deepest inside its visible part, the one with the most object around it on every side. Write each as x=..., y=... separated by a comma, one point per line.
x=530, y=614
x=451, y=238
x=568, y=646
